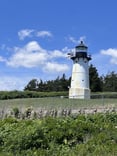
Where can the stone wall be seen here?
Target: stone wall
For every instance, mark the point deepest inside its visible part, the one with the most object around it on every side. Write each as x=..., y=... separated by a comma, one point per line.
x=31, y=113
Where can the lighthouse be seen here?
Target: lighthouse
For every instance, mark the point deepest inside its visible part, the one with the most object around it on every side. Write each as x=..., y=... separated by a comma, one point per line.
x=79, y=88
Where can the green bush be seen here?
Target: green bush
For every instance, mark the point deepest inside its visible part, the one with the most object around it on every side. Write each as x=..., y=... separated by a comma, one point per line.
x=4, y=95
x=16, y=112
x=82, y=135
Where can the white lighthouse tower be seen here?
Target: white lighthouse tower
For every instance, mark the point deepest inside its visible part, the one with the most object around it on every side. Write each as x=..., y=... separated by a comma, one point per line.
x=80, y=73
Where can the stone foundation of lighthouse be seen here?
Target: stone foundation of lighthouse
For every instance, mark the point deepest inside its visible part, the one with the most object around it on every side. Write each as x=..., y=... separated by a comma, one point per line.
x=79, y=93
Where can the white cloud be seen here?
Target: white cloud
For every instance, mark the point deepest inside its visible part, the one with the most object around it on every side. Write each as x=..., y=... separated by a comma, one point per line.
x=57, y=53
x=8, y=83
x=33, y=55
x=2, y=59
x=66, y=49
x=112, y=53
x=55, y=67
x=73, y=40
x=44, y=34
x=82, y=38
x=76, y=41
x=105, y=61
x=25, y=33
x=33, y=33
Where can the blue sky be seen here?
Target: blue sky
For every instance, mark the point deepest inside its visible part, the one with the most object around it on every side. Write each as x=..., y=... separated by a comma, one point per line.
x=36, y=35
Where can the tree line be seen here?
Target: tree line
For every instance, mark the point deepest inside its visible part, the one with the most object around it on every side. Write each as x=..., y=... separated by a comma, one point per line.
x=97, y=83
x=59, y=84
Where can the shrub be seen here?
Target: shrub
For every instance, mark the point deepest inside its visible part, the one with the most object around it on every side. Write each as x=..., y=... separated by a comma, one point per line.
x=16, y=112
x=81, y=135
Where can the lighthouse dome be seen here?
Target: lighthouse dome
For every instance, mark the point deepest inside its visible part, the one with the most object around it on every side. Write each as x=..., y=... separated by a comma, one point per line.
x=80, y=52
x=81, y=47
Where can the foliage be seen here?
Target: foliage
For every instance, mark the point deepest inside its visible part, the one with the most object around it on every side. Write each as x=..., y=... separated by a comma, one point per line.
x=81, y=135
x=16, y=112
x=32, y=85
x=4, y=95
x=59, y=84
x=95, y=80
x=110, y=82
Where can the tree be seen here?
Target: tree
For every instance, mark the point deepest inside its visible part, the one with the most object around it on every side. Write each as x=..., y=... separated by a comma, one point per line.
x=59, y=84
x=41, y=86
x=95, y=81
x=64, y=83
x=32, y=85
x=110, y=82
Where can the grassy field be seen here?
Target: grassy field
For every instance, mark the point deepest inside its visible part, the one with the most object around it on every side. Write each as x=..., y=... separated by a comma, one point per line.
x=56, y=103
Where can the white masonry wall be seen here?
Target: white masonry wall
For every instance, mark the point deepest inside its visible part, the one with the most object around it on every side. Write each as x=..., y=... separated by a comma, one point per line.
x=80, y=79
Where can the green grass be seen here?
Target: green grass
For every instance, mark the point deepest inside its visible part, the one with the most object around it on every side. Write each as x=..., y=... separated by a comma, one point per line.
x=56, y=103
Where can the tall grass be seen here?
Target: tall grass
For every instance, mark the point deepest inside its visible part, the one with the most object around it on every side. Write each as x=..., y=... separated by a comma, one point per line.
x=57, y=103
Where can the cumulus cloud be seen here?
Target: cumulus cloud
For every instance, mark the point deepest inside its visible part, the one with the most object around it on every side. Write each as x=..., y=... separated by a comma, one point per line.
x=33, y=55
x=55, y=67
x=57, y=53
x=105, y=61
x=25, y=33
x=112, y=53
